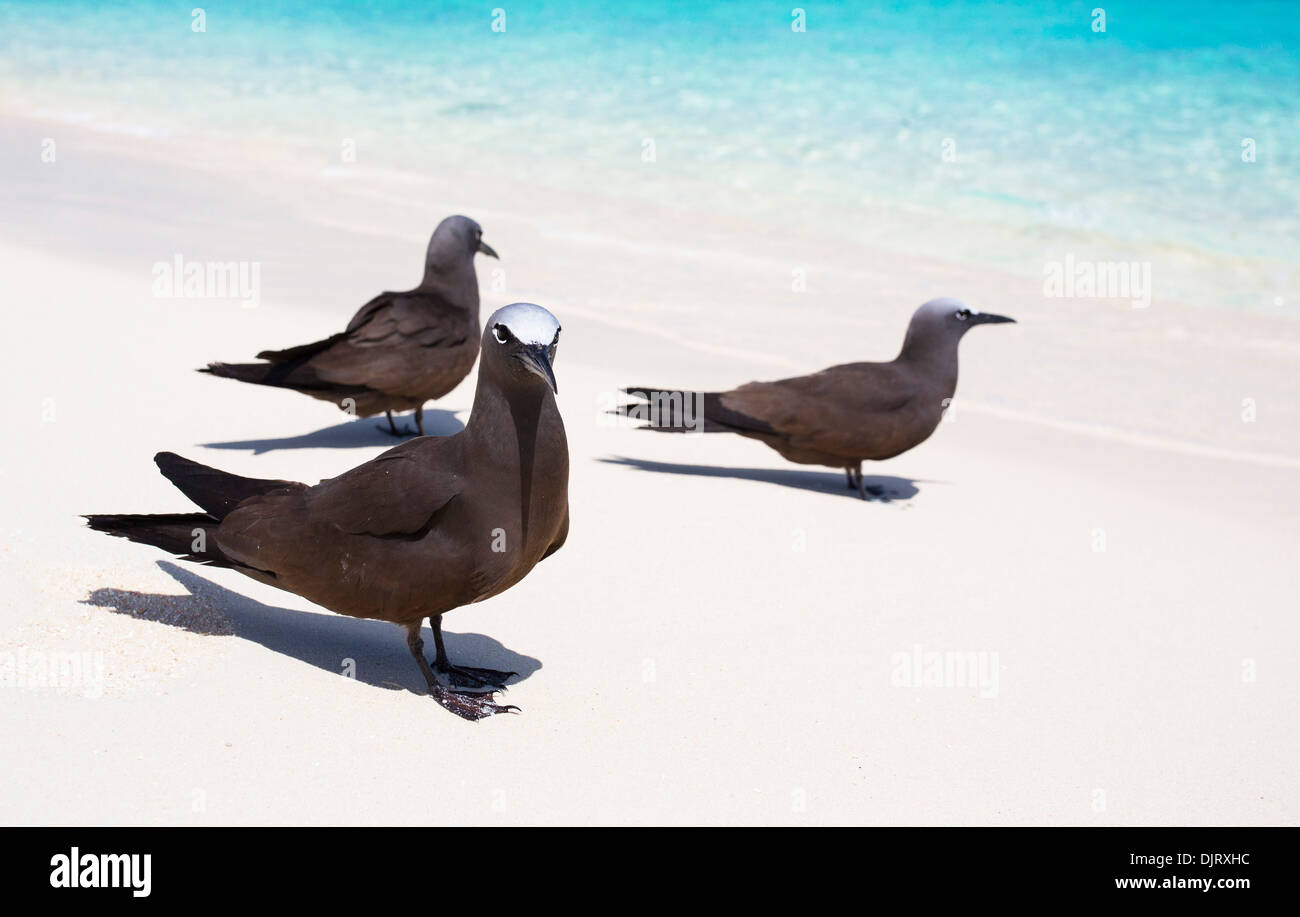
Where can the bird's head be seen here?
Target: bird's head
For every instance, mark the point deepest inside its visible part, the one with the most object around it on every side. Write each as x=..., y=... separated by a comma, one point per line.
x=454, y=244
x=951, y=318
x=520, y=340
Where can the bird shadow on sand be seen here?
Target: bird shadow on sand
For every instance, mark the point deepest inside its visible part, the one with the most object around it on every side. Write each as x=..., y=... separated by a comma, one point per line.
x=322, y=639
x=352, y=434
x=828, y=482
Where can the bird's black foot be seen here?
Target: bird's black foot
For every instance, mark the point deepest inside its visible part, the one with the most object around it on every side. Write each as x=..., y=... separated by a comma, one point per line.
x=870, y=492
x=394, y=430
x=468, y=706
x=467, y=676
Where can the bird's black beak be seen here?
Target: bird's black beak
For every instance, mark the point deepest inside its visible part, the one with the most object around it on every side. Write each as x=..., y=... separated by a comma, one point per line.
x=487, y=250
x=989, y=318
x=538, y=359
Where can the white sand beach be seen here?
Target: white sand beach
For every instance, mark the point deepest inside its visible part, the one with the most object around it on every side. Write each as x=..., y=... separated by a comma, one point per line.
x=1107, y=526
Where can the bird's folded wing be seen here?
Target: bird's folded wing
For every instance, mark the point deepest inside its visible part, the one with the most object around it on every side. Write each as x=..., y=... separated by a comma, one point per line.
x=367, y=312
x=389, y=336
x=834, y=398
x=397, y=493
x=289, y=355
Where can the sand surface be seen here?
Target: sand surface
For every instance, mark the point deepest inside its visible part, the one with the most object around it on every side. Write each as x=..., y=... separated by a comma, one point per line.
x=722, y=639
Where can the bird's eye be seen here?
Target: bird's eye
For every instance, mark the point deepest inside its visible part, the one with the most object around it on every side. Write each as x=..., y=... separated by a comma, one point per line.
x=502, y=333
x=962, y=314
x=555, y=340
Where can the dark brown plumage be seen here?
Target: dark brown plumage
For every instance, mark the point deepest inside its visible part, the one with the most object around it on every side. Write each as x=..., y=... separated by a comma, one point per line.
x=428, y=526
x=401, y=349
x=839, y=417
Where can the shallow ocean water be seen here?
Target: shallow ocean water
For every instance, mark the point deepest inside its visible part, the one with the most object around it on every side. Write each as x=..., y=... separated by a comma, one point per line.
x=1006, y=133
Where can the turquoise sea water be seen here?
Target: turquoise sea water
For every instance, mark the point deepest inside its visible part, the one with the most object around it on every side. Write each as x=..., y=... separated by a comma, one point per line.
x=1054, y=132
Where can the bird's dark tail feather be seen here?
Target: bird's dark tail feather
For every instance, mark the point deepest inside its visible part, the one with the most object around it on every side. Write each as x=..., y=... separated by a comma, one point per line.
x=214, y=491
x=672, y=410
x=276, y=374
x=190, y=536
x=244, y=372
x=289, y=368
x=299, y=376
x=296, y=354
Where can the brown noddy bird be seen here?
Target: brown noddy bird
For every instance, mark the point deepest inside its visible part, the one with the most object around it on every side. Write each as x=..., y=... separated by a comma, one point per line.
x=428, y=526
x=840, y=416
x=401, y=349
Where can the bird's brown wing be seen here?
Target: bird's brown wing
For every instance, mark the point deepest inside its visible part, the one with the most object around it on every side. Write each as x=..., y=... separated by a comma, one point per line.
x=368, y=311
x=826, y=411
x=806, y=403
x=397, y=495
x=395, y=339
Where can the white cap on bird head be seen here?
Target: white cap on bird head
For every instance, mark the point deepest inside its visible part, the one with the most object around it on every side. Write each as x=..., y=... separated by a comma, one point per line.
x=527, y=323
x=529, y=334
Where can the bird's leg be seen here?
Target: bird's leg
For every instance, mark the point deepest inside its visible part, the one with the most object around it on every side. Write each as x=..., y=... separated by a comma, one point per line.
x=848, y=478
x=874, y=490
x=392, y=427
x=419, y=419
x=466, y=676
x=466, y=706
x=415, y=643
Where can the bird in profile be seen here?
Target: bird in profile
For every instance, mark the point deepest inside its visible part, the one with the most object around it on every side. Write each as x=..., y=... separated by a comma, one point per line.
x=401, y=349
x=839, y=417
x=430, y=525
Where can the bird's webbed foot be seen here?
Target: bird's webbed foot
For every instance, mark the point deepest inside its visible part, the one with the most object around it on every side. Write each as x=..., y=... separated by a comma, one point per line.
x=866, y=491
x=470, y=705
x=392, y=429
x=467, y=705
x=467, y=676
